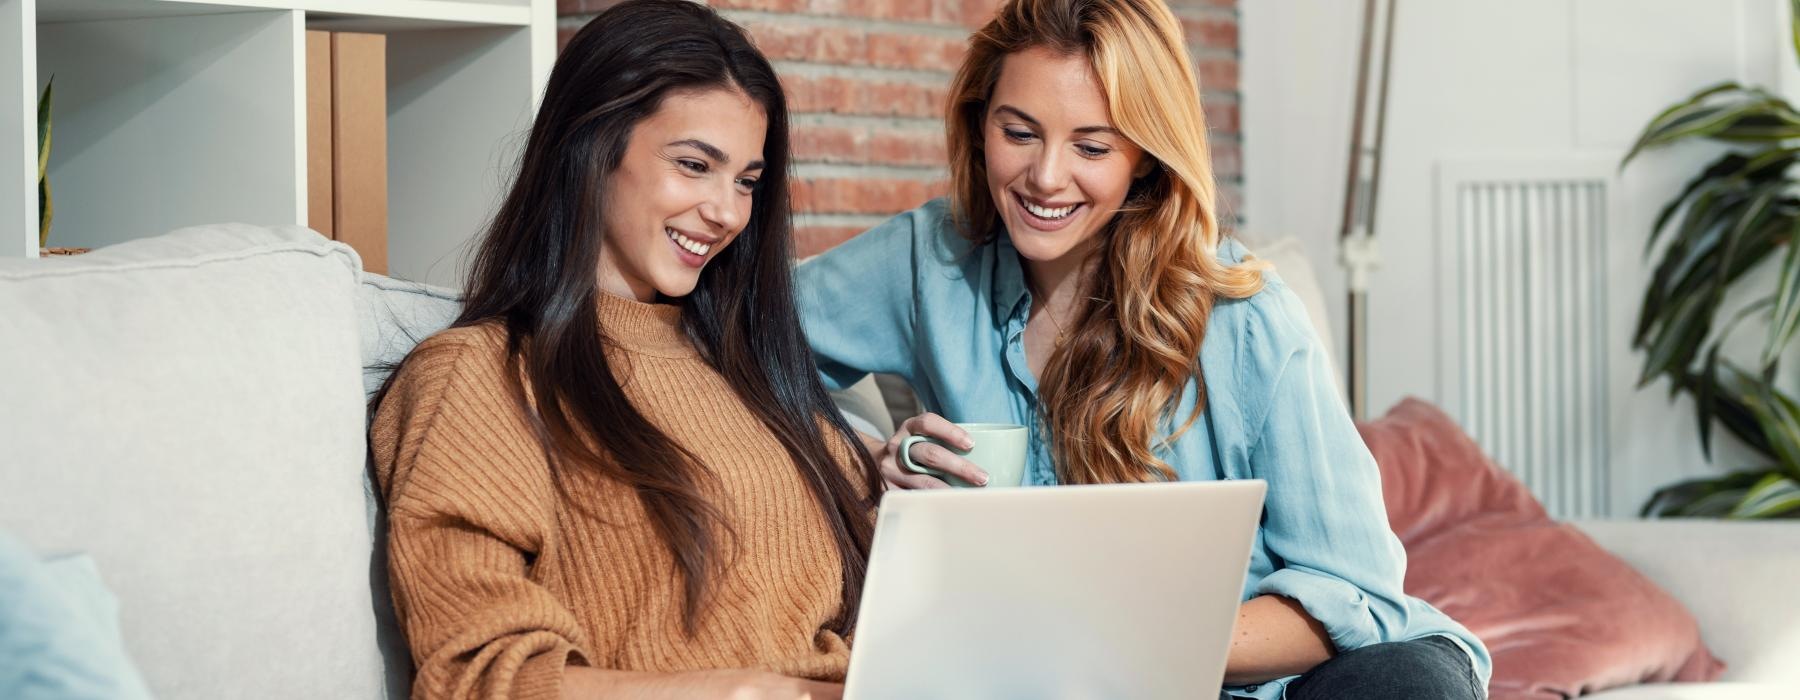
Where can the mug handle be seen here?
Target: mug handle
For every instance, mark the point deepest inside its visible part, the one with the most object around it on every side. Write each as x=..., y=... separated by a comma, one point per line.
x=906, y=455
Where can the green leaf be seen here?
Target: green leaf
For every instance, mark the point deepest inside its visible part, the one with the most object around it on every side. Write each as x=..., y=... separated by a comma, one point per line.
x=1780, y=420
x=1708, y=399
x=1794, y=25
x=46, y=205
x=1731, y=410
x=1708, y=496
x=43, y=118
x=1755, y=134
x=1680, y=113
x=1705, y=399
x=1778, y=159
x=1713, y=253
x=1727, y=165
x=1698, y=234
x=1786, y=319
x=1734, y=398
x=1749, y=116
x=1774, y=496
x=1696, y=119
x=1717, y=504
x=46, y=212
x=1679, y=338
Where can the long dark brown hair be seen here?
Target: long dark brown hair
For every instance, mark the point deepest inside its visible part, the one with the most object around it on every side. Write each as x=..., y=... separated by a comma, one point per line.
x=536, y=273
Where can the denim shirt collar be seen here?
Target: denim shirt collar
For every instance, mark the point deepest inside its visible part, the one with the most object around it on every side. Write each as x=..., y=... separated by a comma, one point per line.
x=1011, y=296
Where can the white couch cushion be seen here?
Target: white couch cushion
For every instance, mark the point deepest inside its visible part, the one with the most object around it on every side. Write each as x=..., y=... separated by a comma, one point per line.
x=1738, y=578
x=394, y=315
x=187, y=409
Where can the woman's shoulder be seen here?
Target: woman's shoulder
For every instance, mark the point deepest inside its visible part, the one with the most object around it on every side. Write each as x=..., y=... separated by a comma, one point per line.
x=449, y=432
x=460, y=344
x=924, y=233
x=461, y=355
x=1271, y=323
x=1250, y=344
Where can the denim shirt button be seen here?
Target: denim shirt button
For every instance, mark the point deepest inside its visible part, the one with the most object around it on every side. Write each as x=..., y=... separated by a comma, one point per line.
x=1252, y=688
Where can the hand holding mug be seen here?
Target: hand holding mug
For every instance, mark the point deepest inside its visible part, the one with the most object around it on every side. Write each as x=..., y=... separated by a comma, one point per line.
x=962, y=454
x=930, y=454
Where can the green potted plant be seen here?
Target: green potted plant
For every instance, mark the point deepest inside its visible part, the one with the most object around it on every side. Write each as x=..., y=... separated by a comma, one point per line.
x=1743, y=209
x=47, y=205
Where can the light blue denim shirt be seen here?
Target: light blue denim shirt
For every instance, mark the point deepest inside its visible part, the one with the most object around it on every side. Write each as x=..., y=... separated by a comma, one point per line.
x=914, y=298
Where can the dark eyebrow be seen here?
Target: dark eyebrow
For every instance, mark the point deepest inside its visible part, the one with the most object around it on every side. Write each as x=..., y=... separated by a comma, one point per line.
x=714, y=153
x=1015, y=111
x=710, y=150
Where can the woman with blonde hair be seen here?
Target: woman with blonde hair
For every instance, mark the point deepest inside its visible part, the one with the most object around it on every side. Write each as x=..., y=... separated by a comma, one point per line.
x=1075, y=281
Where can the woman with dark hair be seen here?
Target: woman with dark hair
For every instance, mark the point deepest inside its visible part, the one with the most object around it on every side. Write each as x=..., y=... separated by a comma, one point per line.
x=617, y=473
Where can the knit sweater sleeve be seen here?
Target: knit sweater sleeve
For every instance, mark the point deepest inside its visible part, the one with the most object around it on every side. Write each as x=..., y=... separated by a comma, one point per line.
x=471, y=506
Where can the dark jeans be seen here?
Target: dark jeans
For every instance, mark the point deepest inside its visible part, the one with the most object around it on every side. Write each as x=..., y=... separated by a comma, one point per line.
x=1433, y=667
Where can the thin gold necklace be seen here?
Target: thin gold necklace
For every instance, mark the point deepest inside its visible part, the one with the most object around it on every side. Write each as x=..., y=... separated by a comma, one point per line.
x=1061, y=334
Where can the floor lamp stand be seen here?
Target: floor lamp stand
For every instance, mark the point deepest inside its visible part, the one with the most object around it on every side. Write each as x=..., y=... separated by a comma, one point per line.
x=1362, y=185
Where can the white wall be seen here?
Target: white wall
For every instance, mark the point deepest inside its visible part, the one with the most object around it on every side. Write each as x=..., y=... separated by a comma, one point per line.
x=18, y=125
x=1527, y=79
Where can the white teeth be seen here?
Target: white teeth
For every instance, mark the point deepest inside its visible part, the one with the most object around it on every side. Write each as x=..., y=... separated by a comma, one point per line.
x=688, y=244
x=1044, y=213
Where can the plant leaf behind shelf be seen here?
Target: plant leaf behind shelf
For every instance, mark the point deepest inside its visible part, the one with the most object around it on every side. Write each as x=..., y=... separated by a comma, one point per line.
x=46, y=204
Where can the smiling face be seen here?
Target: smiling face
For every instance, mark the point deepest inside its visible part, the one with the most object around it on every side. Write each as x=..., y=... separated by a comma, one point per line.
x=1057, y=168
x=682, y=192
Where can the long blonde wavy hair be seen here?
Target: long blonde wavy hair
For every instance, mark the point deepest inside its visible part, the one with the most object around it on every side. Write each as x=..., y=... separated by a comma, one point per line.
x=1117, y=378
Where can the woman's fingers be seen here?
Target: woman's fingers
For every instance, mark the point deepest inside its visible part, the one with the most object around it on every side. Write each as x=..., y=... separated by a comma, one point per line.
x=910, y=481
x=927, y=454
x=937, y=427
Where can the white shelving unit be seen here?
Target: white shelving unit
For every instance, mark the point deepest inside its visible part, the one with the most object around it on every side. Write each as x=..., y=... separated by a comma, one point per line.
x=172, y=114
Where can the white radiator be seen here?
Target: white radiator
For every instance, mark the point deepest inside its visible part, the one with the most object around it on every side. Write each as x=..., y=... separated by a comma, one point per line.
x=1523, y=361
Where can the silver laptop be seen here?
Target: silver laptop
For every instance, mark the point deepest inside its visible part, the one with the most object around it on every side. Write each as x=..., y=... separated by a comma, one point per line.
x=1125, y=591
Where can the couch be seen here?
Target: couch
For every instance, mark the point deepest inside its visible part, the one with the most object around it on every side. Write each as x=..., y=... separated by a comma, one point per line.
x=189, y=411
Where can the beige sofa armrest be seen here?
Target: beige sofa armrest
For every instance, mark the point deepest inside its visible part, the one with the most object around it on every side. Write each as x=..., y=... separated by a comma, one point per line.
x=1740, y=579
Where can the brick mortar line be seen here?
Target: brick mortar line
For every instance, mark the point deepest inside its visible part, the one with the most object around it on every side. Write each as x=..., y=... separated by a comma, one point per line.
x=1206, y=12
x=1202, y=52
x=848, y=220
x=810, y=170
x=833, y=70
x=888, y=26
x=866, y=121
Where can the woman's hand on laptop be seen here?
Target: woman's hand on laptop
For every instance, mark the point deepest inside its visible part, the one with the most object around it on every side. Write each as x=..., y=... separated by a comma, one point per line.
x=936, y=427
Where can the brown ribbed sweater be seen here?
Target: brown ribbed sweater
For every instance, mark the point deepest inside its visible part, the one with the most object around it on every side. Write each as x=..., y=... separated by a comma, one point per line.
x=498, y=582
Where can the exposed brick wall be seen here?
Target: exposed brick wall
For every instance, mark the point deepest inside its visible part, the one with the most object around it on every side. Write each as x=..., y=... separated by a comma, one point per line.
x=866, y=82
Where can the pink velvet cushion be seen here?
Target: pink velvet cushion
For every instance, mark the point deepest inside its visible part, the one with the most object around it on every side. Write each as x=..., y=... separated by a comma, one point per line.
x=1560, y=615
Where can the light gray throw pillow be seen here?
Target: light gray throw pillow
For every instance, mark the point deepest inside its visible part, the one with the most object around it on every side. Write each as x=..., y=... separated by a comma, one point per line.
x=188, y=409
